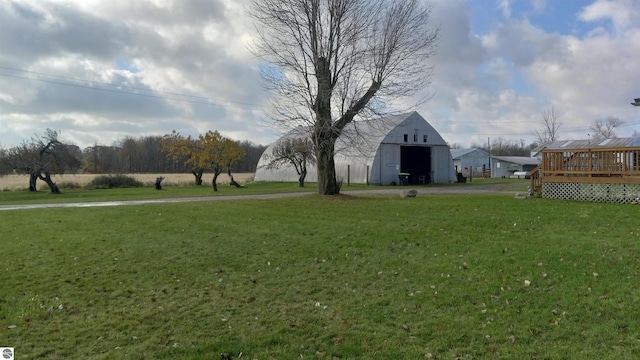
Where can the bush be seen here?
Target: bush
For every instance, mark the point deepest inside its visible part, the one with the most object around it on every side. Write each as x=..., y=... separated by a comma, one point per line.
x=67, y=185
x=113, y=181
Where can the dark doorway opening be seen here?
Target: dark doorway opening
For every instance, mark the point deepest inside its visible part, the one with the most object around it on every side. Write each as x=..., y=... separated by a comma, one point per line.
x=416, y=160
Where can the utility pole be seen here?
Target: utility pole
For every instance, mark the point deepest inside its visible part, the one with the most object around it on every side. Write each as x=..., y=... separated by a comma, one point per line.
x=489, y=151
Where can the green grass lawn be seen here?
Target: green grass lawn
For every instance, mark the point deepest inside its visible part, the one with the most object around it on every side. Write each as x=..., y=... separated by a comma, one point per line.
x=379, y=277
x=43, y=195
x=148, y=192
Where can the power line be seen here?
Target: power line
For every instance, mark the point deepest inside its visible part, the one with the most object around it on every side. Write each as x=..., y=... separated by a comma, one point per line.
x=180, y=96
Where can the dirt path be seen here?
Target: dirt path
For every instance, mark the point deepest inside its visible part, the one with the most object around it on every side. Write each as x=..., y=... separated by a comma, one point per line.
x=471, y=189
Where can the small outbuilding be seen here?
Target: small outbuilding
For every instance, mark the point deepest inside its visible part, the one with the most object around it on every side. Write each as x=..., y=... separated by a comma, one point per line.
x=512, y=166
x=400, y=149
x=474, y=162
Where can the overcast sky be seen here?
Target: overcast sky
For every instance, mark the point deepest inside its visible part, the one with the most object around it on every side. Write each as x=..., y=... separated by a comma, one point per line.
x=101, y=70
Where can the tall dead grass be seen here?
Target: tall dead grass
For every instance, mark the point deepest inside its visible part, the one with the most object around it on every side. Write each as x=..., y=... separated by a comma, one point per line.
x=21, y=182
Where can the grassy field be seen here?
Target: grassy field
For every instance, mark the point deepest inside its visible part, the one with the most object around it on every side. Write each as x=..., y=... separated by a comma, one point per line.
x=147, y=192
x=74, y=193
x=377, y=277
x=21, y=182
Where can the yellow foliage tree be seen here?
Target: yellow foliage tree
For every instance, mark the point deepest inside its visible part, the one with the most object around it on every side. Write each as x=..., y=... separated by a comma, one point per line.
x=210, y=151
x=219, y=153
x=185, y=150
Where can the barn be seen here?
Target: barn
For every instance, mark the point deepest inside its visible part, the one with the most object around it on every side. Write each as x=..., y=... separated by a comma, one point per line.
x=384, y=151
x=474, y=162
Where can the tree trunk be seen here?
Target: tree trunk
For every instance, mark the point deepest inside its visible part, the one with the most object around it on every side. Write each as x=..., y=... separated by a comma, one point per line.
x=327, y=184
x=198, y=176
x=47, y=179
x=33, y=178
x=303, y=175
x=213, y=182
x=325, y=134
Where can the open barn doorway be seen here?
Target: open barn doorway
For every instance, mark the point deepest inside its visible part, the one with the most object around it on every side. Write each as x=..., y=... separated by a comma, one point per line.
x=416, y=161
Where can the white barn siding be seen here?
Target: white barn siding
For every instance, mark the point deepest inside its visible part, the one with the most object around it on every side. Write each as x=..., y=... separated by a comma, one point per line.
x=375, y=155
x=386, y=164
x=442, y=170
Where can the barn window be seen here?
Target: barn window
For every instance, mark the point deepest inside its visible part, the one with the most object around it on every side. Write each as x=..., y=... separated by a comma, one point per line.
x=415, y=137
x=406, y=137
x=424, y=138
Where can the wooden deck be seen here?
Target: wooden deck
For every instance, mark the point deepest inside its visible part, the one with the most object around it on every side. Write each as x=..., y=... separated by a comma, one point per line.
x=587, y=166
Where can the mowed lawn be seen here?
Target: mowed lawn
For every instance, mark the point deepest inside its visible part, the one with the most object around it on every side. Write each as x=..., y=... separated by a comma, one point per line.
x=375, y=277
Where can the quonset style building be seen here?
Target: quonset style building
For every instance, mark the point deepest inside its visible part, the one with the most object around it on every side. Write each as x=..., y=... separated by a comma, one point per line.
x=377, y=152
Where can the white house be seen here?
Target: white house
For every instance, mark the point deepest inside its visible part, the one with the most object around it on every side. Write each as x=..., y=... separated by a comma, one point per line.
x=378, y=152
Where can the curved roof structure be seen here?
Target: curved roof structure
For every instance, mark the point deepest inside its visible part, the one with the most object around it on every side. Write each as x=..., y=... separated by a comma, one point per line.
x=371, y=152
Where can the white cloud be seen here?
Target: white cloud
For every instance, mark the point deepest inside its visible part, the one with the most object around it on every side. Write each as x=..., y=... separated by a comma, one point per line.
x=505, y=7
x=122, y=68
x=154, y=51
x=623, y=14
x=498, y=82
x=538, y=6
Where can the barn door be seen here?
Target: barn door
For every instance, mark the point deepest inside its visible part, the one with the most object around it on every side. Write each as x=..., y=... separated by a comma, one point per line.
x=416, y=160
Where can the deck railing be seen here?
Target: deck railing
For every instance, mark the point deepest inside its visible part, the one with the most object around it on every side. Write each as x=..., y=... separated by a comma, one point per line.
x=536, y=179
x=600, y=165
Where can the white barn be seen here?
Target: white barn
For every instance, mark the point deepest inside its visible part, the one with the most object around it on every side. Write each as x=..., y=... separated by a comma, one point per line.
x=382, y=150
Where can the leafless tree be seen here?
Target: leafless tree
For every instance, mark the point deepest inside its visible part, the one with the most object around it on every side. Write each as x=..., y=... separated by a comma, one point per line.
x=5, y=165
x=605, y=128
x=551, y=124
x=295, y=151
x=332, y=60
x=42, y=157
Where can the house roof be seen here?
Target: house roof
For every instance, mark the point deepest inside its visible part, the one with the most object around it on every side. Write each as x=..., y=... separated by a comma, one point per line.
x=520, y=160
x=458, y=153
x=588, y=144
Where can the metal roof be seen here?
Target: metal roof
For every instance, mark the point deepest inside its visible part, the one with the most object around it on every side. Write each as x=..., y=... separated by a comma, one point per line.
x=520, y=160
x=458, y=153
x=588, y=144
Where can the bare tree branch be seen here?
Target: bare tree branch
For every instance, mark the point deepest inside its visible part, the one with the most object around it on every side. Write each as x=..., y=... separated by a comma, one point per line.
x=295, y=151
x=551, y=124
x=329, y=61
x=605, y=128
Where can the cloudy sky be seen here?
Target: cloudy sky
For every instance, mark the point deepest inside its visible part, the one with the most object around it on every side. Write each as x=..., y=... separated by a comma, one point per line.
x=100, y=70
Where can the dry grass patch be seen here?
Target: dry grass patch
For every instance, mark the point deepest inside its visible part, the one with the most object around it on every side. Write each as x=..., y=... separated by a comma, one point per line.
x=19, y=182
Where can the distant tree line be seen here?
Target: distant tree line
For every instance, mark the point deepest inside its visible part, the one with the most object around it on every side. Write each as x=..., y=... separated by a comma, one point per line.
x=504, y=147
x=45, y=155
x=145, y=155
